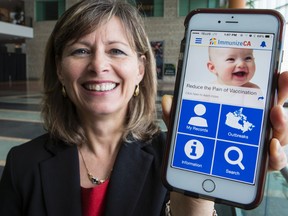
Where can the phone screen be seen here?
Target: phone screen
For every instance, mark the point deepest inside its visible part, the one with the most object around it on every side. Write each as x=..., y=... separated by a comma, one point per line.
x=223, y=103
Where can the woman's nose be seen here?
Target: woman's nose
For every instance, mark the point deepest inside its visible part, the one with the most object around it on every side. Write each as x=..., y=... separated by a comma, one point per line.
x=99, y=62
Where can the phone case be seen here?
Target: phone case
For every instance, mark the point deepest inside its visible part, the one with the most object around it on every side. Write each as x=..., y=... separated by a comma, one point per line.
x=177, y=93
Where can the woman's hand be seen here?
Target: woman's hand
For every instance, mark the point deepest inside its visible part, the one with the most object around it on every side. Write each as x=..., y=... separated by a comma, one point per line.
x=188, y=206
x=279, y=121
x=166, y=108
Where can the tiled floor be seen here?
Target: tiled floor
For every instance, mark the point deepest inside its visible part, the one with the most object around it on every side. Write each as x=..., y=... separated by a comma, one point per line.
x=20, y=118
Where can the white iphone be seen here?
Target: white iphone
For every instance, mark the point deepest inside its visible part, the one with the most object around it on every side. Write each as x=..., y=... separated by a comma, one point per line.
x=219, y=132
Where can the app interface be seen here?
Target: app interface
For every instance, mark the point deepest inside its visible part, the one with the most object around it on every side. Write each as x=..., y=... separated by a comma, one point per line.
x=222, y=105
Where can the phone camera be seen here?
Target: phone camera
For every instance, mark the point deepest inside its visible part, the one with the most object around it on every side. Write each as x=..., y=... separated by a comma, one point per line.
x=219, y=21
x=232, y=17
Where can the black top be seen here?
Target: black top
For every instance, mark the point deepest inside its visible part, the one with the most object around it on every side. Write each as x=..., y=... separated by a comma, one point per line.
x=42, y=177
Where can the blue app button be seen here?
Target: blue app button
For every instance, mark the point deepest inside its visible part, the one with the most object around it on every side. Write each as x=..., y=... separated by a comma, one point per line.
x=193, y=153
x=235, y=161
x=199, y=118
x=240, y=124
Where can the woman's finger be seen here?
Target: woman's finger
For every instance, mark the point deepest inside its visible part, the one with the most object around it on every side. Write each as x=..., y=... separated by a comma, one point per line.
x=278, y=158
x=282, y=88
x=166, y=108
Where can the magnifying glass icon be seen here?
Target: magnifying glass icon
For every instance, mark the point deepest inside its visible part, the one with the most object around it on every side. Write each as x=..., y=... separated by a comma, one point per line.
x=238, y=161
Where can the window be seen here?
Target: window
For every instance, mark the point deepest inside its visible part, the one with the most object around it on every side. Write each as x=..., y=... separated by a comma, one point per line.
x=185, y=6
x=49, y=9
x=149, y=8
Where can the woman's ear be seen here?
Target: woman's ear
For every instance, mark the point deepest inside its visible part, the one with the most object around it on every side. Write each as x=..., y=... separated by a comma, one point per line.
x=141, y=71
x=59, y=71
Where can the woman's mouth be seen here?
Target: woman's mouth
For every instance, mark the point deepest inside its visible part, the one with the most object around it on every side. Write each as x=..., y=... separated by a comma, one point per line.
x=99, y=87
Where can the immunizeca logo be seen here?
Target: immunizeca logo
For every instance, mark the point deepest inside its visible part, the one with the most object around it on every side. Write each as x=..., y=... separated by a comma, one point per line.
x=214, y=41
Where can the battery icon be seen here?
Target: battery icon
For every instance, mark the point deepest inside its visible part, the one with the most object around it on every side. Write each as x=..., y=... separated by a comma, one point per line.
x=267, y=36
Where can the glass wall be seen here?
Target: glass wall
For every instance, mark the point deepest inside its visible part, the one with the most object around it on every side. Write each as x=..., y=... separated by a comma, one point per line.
x=185, y=6
x=150, y=8
x=49, y=9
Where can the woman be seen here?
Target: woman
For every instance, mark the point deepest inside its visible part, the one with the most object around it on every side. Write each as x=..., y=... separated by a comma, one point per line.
x=103, y=150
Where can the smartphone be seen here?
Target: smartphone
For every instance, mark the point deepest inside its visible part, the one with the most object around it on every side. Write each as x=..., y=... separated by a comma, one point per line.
x=219, y=132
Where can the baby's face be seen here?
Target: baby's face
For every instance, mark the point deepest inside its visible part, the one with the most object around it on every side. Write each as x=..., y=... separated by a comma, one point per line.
x=232, y=66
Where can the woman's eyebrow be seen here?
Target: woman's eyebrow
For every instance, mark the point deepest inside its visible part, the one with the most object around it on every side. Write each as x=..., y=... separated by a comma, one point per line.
x=118, y=42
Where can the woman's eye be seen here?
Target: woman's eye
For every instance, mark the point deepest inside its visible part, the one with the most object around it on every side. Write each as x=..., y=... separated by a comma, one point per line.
x=117, y=52
x=79, y=52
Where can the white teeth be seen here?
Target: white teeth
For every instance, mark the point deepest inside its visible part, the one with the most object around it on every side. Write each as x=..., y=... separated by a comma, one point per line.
x=100, y=87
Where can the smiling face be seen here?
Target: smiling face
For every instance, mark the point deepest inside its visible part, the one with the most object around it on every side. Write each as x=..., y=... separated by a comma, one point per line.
x=100, y=71
x=232, y=66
